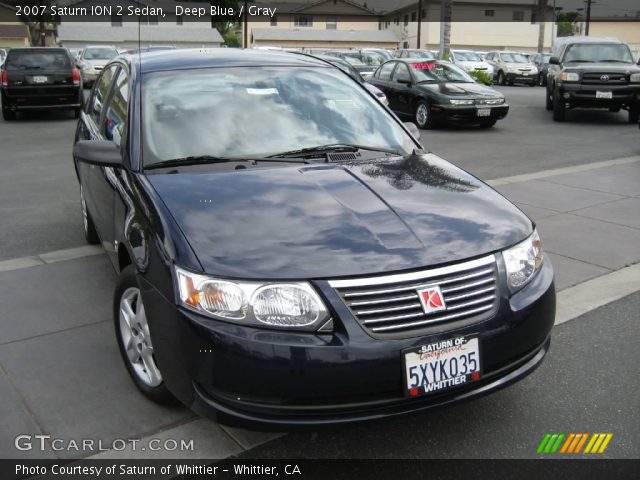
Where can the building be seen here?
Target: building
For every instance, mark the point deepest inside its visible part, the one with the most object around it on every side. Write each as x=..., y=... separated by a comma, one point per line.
x=323, y=23
x=76, y=31
x=475, y=24
x=13, y=33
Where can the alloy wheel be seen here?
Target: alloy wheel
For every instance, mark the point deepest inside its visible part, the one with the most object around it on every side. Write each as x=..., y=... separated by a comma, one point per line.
x=135, y=337
x=422, y=115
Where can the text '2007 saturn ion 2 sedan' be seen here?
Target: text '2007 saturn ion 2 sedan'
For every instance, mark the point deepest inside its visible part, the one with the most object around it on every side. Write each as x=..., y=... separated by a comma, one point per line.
x=287, y=252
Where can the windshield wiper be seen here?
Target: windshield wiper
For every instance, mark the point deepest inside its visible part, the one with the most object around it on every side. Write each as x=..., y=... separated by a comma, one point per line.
x=615, y=61
x=334, y=147
x=579, y=61
x=204, y=159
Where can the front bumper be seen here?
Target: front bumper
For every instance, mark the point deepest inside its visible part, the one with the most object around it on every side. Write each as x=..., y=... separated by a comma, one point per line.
x=468, y=114
x=584, y=95
x=243, y=375
x=518, y=77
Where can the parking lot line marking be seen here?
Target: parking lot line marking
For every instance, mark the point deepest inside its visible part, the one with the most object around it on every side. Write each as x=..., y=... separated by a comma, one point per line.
x=50, y=257
x=554, y=172
x=586, y=296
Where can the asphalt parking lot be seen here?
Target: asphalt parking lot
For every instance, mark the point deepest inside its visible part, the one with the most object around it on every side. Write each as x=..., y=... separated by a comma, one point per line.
x=60, y=371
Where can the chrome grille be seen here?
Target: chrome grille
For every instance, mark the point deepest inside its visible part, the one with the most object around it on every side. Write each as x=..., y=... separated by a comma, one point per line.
x=612, y=78
x=389, y=305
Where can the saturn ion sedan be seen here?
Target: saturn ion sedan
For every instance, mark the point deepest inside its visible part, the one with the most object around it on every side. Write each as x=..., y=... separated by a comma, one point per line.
x=287, y=251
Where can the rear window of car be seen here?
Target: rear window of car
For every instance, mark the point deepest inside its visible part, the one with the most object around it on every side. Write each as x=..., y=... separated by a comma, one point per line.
x=38, y=59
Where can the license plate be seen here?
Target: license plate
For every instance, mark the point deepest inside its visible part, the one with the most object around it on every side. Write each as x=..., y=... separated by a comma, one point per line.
x=604, y=94
x=39, y=79
x=439, y=366
x=484, y=112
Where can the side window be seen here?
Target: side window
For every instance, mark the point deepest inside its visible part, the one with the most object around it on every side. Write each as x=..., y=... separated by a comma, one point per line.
x=402, y=73
x=117, y=109
x=100, y=93
x=385, y=71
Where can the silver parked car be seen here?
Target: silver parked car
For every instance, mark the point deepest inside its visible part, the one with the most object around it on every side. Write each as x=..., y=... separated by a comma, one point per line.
x=512, y=67
x=92, y=59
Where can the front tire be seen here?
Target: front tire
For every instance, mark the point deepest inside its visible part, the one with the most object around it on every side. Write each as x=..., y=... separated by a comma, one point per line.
x=634, y=114
x=502, y=79
x=549, y=101
x=134, y=339
x=541, y=80
x=423, y=115
x=559, y=110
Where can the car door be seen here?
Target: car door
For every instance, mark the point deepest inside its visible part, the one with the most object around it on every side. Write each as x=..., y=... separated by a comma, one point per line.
x=98, y=125
x=402, y=87
x=382, y=78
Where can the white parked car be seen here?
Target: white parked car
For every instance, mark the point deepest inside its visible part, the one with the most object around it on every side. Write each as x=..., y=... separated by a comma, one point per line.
x=469, y=61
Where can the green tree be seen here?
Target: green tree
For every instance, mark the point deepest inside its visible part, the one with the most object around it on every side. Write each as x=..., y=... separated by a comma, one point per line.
x=565, y=23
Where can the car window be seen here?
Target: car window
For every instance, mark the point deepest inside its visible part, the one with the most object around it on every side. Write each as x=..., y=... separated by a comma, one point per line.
x=401, y=73
x=598, y=52
x=100, y=93
x=99, y=53
x=116, y=114
x=439, y=72
x=38, y=59
x=242, y=112
x=384, y=73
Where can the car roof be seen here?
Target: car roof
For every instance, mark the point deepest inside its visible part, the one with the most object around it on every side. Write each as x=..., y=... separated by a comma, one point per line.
x=218, y=57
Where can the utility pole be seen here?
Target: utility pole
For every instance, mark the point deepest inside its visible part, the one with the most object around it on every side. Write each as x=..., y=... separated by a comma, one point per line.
x=542, y=7
x=588, y=20
x=419, y=22
x=246, y=27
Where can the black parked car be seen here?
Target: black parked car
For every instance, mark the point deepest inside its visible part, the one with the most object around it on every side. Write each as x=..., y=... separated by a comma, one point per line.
x=40, y=79
x=541, y=61
x=287, y=252
x=436, y=91
x=593, y=73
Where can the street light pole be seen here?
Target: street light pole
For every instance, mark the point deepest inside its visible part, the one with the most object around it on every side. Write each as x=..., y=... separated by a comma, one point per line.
x=588, y=19
x=419, y=22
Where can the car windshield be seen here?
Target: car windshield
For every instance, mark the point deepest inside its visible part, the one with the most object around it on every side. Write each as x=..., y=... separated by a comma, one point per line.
x=439, y=72
x=100, y=53
x=244, y=112
x=420, y=54
x=598, y=52
x=38, y=59
x=513, y=58
x=468, y=56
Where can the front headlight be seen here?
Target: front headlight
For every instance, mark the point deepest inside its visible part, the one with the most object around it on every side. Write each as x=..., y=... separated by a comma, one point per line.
x=461, y=102
x=634, y=77
x=569, y=77
x=293, y=305
x=523, y=261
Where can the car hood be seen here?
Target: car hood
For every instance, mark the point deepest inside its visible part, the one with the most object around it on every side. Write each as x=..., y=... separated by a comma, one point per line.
x=335, y=220
x=97, y=63
x=474, y=64
x=603, y=67
x=472, y=88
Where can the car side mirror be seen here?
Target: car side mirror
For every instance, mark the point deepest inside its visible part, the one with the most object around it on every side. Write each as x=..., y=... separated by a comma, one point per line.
x=103, y=153
x=413, y=129
x=554, y=61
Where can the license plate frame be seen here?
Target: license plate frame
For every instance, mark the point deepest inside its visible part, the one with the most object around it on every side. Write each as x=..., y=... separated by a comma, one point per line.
x=417, y=365
x=39, y=79
x=483, y=112
x=604, y=94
